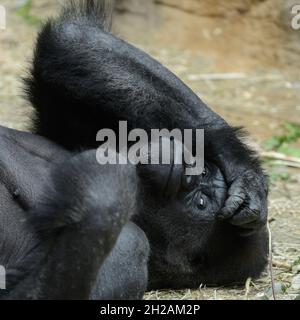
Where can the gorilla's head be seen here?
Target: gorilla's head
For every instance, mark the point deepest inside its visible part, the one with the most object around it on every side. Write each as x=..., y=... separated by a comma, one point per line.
x=178, y=214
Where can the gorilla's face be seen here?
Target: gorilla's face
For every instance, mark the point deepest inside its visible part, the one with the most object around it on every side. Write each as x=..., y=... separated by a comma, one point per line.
x=196, y=198
x=179, y=217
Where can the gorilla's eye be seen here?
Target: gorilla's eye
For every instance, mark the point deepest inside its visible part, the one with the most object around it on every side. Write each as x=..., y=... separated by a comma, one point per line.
x=204, y=173
x=201, y=203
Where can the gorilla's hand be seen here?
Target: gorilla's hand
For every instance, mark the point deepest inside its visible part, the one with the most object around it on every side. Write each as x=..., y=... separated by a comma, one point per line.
x=246, y=206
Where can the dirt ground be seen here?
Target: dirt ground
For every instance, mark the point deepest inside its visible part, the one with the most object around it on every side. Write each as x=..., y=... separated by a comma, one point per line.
x=260, y=98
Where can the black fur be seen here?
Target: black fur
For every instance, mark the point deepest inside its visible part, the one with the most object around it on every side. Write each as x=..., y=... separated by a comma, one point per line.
x=84, y=79
x=65, y=222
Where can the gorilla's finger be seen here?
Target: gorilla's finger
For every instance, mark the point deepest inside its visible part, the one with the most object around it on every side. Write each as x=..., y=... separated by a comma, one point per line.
x=251, y=228
x=244, y=217
x=249, y=212
x=232, y=204
x=247, y=232
x=255, y=225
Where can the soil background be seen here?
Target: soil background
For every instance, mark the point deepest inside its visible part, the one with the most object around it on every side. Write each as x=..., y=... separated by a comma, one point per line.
x=242, y=58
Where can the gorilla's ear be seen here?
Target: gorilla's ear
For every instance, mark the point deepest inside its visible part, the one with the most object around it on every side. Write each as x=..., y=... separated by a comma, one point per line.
x=163, y=179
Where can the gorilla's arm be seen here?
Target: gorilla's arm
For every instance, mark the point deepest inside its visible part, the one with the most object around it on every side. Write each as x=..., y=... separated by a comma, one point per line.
x=124, y=274
x=84, y=79
x=60, y=216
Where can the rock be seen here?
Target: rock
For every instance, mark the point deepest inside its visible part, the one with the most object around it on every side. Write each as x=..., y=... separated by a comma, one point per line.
x=296, y=283
x=279, y=289
x=296, y=268
x=261, y=296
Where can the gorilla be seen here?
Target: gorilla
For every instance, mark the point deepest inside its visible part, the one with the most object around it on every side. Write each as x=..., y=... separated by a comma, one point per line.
x=113, y=231
x=65, y=230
